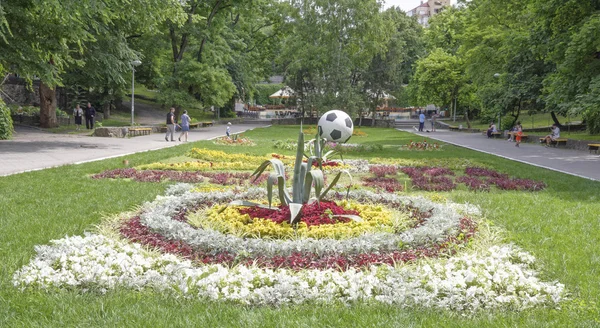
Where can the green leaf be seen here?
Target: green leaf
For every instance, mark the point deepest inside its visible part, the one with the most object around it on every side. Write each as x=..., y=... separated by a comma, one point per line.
x=295, y=213
x=315, y=176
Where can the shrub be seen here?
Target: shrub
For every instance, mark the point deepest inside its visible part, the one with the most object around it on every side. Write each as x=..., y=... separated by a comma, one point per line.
x=6, y=123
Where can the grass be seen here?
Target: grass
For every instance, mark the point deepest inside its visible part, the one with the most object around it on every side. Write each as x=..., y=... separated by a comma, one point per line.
x=558, y=225
x=538, y=120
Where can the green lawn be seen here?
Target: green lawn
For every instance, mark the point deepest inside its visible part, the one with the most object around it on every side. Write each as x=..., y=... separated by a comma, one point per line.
x=558, y=225
x=538, y=120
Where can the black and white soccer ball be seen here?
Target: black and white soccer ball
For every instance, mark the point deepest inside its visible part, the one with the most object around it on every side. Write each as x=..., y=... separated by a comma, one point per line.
x=335, y=126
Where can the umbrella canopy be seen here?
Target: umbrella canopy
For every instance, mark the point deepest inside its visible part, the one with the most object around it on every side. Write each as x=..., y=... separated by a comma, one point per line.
x=382, y=95
x=285, y=92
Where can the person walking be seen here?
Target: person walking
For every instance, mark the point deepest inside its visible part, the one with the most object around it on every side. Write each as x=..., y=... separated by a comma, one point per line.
x=433, y=119
x=519, y=134
x=185, y=126
x=90, y=113
x=171, y=124
x=228, y=129
x=421, y=121
x=78, y=114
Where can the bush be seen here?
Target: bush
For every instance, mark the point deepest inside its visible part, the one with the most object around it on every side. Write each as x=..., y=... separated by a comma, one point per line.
x=61, y=113
x=592, y=119
x=26, y=110
x=6, y=123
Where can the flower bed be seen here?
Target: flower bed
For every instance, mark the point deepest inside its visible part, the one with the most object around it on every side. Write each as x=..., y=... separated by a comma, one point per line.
x=234, y=140
x=222, y=178
x=476, y=179
x=404, y=251
x=500, y=277
x=421, y=145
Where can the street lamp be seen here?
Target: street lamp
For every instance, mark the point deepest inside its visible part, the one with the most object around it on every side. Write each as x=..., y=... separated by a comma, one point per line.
x=133, y=65
x=497, y=75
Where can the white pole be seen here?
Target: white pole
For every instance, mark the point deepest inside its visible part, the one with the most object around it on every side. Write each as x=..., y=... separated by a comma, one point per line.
x=132, y=91
x=454, y=119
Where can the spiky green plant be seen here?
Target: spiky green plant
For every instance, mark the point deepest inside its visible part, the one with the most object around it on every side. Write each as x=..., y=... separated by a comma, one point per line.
x=316, y=148
x=304, y=179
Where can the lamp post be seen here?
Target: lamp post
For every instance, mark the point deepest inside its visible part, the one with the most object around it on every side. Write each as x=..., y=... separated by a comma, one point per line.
x=497, y=75
x=133, y=65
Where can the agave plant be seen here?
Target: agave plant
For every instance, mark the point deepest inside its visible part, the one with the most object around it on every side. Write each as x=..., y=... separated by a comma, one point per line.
x=302, y=183
x=316, y=148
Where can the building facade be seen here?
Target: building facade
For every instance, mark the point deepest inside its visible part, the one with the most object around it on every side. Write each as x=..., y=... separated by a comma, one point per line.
x=428, y=9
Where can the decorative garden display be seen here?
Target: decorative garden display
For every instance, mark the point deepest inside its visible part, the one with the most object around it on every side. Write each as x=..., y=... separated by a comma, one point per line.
x=225, y=241
x=335, y=126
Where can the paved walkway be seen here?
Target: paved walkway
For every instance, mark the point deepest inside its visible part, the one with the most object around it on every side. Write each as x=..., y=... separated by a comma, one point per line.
x=574, y=162
x=33, y=149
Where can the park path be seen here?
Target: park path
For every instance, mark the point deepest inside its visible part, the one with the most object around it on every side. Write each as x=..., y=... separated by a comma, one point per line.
x=573, y=162
x=33, y=149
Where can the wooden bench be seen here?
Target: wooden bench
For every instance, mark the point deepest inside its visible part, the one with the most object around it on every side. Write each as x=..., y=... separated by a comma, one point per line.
x=205, y=124
x=594, y=147
x=514, y=134
x=194, y=125
x=134, y=132
x=453, y=128
x=555, y=142
x=494, y=134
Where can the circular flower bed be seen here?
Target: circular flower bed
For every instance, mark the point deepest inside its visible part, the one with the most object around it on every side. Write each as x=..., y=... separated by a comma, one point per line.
x=319, y=220
x=406, y=251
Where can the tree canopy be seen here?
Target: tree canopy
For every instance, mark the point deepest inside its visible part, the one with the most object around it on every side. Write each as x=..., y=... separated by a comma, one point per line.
x=487, y=56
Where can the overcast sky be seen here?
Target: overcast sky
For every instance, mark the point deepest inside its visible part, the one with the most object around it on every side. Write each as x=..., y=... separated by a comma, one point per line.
x=405, y=4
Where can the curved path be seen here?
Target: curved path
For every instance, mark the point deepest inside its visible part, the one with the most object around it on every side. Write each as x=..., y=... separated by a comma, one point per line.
x=573, y=162
x=33, y=149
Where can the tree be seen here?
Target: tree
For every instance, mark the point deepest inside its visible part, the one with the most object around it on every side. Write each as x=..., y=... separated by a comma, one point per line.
x=44, y=39
x=574, y=87
x=438, y=78
x=328, y=49
x=393, y=68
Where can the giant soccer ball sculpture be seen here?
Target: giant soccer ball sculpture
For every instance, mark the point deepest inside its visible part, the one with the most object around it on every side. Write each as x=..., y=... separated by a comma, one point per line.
x=335, y=126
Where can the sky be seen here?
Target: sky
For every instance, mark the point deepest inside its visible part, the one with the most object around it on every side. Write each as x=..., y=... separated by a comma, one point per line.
x=405, y=4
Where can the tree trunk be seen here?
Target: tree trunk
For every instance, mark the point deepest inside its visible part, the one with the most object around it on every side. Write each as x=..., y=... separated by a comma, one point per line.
x=106, y=109
x=555, y=120
x=467, y=117
x=47, y=106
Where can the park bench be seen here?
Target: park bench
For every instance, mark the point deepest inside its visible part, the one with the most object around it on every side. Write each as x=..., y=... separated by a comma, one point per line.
x=194, y=125
x=556, y=142
x=594, y=147
x=134, y=132
x=514, y=134
x=205, y=124
x=453, y=128
x=494, y=134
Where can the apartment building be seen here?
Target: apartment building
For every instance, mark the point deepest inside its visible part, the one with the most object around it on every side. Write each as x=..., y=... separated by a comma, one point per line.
x=428, y=9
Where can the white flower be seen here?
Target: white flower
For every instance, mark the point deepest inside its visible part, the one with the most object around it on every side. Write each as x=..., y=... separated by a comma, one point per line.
x=98, y=262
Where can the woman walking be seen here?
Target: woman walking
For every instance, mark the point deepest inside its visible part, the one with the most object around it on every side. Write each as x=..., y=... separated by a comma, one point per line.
x=185, y=126
x=78, y=114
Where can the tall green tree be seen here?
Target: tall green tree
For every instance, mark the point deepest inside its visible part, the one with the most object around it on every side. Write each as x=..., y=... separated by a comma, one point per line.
x=44, y=39
x=328, y=49
x=215, y=54
x=391, y=69
x=438, y=79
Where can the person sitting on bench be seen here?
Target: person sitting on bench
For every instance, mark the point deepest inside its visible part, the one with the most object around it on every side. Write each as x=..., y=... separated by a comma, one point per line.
x=555, y=134
x=491, y=130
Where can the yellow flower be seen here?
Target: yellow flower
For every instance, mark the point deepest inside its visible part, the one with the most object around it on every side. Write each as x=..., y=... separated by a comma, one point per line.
x=375, y=218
